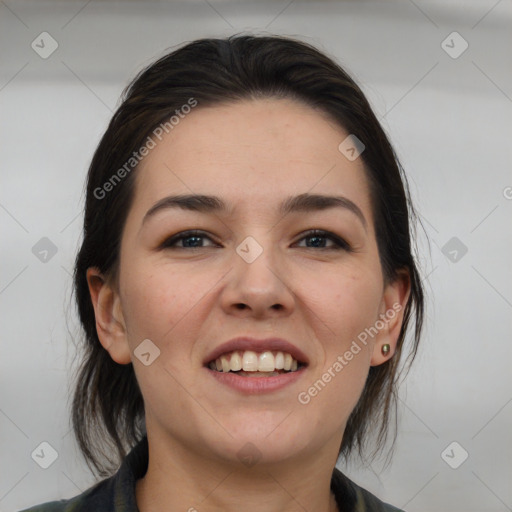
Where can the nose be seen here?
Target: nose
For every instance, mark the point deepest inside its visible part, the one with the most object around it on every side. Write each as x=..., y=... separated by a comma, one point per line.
x=257, y=286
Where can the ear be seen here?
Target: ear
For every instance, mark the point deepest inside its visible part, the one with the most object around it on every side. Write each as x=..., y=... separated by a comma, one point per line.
x=394, y=299
x=110, y=324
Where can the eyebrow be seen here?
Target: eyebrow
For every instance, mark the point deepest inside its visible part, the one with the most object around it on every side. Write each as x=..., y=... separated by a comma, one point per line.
x=212, y=204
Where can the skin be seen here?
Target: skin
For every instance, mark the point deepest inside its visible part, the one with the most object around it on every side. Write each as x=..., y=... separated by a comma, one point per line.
x=252, y=154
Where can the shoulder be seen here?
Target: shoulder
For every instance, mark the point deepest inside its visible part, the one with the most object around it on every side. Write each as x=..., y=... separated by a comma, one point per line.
x=114, y=493
x=51, y=506
x=95, y=498
x=360, y=499
x=372, y=503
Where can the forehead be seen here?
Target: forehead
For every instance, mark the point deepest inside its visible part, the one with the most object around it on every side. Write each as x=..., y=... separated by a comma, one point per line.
x=253, y=153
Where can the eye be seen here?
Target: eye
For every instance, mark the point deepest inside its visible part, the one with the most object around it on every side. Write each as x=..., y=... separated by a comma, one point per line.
x=317, y=236
x=194, y=237
x=192, y=240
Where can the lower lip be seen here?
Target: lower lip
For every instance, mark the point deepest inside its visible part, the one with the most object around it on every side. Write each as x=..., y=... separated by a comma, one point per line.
x=257, y=385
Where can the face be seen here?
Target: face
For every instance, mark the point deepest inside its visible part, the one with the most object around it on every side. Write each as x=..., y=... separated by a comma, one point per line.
x=251, y=271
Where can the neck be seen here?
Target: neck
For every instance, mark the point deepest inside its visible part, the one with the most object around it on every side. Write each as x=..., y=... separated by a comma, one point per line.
x=180, y=479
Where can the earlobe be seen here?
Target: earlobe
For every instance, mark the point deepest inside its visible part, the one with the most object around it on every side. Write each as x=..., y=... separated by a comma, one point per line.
x=110, y=325
x=394, y=301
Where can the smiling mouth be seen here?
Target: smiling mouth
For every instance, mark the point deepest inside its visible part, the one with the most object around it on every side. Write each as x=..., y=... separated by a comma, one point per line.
x=248, y=363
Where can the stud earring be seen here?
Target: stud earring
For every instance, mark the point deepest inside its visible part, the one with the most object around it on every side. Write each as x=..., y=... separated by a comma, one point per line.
x=385, y=349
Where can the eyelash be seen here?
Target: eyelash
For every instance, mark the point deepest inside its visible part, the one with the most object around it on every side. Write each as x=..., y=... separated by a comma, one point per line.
x=340, y=244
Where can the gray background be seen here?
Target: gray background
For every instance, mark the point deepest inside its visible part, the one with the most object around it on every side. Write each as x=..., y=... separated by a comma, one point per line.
x=450, y=121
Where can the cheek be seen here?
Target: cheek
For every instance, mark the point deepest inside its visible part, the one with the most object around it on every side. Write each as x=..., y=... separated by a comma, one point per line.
x=156, y=301
x=162, y=304
x=344, y=303
x=168, y=305
x=150, y=306
x=343, y=306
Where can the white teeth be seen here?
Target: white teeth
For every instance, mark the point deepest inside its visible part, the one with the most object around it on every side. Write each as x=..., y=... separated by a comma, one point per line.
x=266, y=362
x=235, y=363
x=250, y=361
x=225, y=364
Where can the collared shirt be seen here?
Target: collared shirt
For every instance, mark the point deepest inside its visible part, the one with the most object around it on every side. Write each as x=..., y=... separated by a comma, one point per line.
x=117, y=493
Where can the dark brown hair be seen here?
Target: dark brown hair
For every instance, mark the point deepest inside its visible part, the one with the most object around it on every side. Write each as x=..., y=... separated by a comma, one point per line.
x=108, y=409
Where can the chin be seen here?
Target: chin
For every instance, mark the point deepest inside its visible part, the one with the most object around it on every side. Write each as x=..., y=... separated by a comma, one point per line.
x=266, y=440
x=251, y=452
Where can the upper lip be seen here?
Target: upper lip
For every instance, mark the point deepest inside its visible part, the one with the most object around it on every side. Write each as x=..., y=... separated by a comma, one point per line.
x=243, y=343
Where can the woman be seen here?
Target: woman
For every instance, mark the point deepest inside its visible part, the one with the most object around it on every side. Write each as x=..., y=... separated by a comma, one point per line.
x=245, y=284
